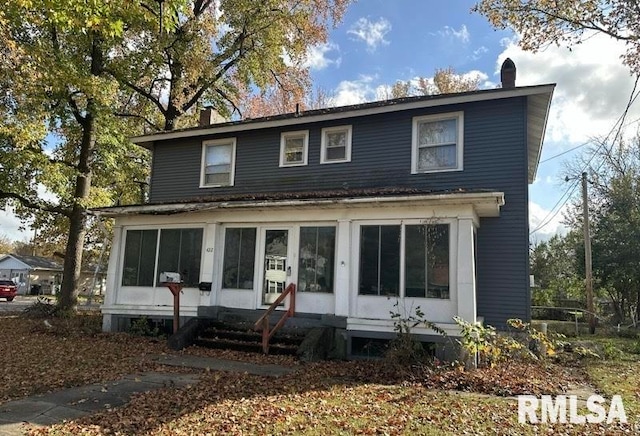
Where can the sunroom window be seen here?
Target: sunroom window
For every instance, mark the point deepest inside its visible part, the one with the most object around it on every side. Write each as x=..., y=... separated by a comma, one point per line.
x=239, y=258
x=422, y=272
x=427, y=261
x=379, y=260
x=317, y=259
x=180, y=250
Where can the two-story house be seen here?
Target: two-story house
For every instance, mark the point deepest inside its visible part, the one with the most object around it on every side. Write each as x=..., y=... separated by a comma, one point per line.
x=419, y=201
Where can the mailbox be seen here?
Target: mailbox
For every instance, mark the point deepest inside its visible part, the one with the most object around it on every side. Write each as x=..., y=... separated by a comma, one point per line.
x=204, y=286
x=170, y=277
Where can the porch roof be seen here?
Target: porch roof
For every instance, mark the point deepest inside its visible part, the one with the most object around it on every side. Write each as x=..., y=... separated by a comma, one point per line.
x=486, y=203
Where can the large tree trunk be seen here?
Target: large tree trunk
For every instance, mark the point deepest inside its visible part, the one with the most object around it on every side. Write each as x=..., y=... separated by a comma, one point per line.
x=77, y=220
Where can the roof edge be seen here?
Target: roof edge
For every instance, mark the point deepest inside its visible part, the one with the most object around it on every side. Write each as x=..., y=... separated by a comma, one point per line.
x=343, y=112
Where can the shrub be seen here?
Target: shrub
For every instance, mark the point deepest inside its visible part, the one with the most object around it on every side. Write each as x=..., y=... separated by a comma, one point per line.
x=143, y=327
x=492, y=347
x=405, y=349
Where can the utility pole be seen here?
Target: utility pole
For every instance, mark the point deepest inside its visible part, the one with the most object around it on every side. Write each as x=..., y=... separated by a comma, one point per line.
x=587, y=256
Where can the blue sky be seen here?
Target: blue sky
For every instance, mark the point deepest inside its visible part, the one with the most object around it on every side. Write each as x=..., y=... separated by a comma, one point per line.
x=382, y=41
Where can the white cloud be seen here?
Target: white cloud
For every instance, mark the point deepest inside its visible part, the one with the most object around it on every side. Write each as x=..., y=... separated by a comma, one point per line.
x=479, y=52
x=592, y=90
x=317, y=56
x=10, y=226
x=354, y=91
x=372, y=33
x=461, y=35
x=539, y=215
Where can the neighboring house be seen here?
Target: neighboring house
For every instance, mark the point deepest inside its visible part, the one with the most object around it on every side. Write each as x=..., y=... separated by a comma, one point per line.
x=39, y=275
x=31, y=272
x=420, y=201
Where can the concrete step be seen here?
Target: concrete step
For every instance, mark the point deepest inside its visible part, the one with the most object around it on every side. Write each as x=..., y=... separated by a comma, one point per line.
x=242, y=337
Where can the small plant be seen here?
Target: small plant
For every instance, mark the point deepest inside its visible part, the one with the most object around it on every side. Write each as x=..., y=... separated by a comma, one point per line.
x=405, y=349
x=491, y=347
x=635, y=347
x=143, y=327
x=611, y=352
x=584, y=352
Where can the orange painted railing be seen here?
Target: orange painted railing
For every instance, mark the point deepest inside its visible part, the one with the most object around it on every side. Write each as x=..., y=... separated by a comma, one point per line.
x=263, y=322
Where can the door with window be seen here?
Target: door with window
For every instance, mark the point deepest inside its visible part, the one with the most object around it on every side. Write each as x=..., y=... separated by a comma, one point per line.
x=276, y=264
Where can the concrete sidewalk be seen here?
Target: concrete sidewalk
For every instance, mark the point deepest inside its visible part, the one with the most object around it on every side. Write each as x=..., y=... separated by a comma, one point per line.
x=76, y=402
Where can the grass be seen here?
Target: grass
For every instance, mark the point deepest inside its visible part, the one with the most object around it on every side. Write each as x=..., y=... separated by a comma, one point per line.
x=324, y=398
x=617, y=373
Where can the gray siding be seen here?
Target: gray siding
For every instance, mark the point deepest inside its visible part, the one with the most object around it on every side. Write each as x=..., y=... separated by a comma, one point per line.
x=495, y=157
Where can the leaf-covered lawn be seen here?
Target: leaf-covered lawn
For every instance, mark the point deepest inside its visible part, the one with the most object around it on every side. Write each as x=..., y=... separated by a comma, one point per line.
x=317, y=399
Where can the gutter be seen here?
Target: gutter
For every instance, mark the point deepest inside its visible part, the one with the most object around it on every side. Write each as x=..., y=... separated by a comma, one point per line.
x=175, y=208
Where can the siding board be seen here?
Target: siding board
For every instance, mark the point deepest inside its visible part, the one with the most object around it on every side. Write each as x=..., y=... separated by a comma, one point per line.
x=495, y=158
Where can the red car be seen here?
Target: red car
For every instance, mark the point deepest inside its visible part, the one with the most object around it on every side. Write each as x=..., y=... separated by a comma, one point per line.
x=8, y=289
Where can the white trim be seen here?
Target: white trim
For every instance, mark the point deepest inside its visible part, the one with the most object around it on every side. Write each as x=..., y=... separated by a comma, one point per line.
x=355, y=111
x=450, y=222
x=305, y=147
x=158, y=228
x=459, y=117
x=323, y=144
x=232, y=171
x=487, y=204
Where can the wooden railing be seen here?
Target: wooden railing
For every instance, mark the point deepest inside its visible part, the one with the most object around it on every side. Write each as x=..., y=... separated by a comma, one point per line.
x=263, y=322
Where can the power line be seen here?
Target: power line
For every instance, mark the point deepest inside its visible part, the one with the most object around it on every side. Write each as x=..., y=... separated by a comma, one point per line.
x=617, y=127
x=565, y=152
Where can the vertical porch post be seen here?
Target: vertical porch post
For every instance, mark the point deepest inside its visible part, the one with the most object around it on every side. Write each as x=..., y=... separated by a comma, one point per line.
x=343, y=268
x=466, y=277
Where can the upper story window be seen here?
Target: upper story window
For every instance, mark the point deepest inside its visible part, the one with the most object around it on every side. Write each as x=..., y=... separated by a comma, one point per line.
x=218, y=163
x=293, y=148
x=437, y=143
x=336, y=145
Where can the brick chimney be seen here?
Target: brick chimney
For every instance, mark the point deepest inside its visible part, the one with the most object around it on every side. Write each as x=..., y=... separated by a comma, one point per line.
x=210, y=116
x=508, y=74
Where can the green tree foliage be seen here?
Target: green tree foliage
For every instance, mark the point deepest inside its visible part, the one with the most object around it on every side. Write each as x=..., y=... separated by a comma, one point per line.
x=216, y=52
x=614, y=210
x=568, y=22
x=556, y=267
x=61, y=147
x=78, y=77
x=615, y=193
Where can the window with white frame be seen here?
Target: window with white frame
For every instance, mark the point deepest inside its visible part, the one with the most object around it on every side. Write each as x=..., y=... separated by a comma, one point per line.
x=316, y=259
x=139, y=265
x=422, y=271
x=426, y=254
x=218, y=163
x=175, y=250
x=336, y=144
x=379, y=260
x=239, y=258
x=437, y=143
x=293, y=148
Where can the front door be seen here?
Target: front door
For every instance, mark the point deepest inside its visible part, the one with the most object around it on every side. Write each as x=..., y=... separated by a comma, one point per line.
x=276, y=264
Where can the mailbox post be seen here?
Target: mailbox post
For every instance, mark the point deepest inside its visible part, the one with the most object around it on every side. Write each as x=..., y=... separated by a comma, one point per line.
x=174, y=283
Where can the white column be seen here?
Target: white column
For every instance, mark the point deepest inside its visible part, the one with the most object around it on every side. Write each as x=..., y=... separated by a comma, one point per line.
x=343, y=268
x=209, y=254
x=466, y=277
x=113, y=273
